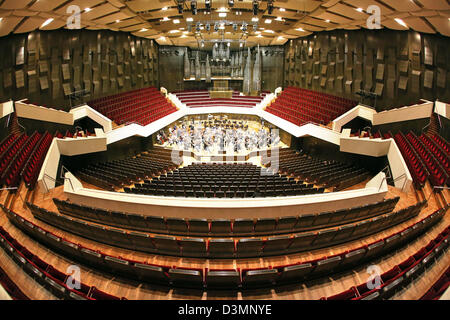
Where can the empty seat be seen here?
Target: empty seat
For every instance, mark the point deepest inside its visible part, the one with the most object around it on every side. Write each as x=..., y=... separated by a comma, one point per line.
x=151, y=274
x=259, y=278
x=177, y=226
x=265, y=225
x=286, y=224
x=186, y=278
x=243, y=226
x=302, y=241
x=198, y=226
x=305, y=222
x=220, y=227
x=277, y=245
x=249, y=247
x=221, y=248
x=193, y=247
x=166, y=245
x=325, y=237
x=155, y=224
x=327, y=265
x=354, y=257
x=119, y=265
x=223, y=279
x=141, y=241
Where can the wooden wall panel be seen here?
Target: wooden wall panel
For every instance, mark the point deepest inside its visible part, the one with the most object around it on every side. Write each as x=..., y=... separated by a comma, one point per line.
x=403, y=66
x=46, y=66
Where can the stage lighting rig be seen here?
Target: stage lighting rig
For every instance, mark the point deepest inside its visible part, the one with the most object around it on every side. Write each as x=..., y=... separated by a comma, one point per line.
x=231, y=3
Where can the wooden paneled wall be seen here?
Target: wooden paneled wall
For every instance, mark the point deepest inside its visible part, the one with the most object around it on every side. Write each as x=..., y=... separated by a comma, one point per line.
x=46, y=66
x=401, y=66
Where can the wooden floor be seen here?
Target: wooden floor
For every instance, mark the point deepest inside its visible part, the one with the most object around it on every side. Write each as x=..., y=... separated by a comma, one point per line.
x=134, y=290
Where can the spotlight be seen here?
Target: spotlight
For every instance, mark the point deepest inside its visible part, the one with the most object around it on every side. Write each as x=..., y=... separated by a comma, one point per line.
x=180, y=4
x=208, y=6
x=235, y=27
x=197, y=28
x=230, y=3
x=244, y=27
x=270, y=7
x=194, y=7
x=255, y=7
x=216, y=27
x=208, y=27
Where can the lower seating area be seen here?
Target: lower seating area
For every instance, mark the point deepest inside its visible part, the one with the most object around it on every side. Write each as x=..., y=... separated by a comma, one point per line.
x=108, y=175
x=22, y=158
x=221, y=248
x=440, y=286
x=205, y=278
x=202, y=180
x=10, y=287
x=46, y=275
x=301, y=106
x=402, y=274
x=141, y=106
x=196, y=99
x=330, y=174
x=223, y=227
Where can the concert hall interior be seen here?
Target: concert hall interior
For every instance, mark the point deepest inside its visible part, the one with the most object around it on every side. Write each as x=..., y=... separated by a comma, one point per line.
x=218, y=149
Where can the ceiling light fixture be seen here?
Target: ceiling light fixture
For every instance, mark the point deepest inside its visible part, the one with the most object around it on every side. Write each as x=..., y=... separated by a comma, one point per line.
x=401, y=22
x=47, y=22
x=176, y=21
x=255, y=19
x=231, y=3
x=268, y=21
x=359, y=9
x=222, y=14
x=87, y=9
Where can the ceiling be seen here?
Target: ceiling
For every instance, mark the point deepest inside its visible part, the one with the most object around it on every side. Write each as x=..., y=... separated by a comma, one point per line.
x=290, y=18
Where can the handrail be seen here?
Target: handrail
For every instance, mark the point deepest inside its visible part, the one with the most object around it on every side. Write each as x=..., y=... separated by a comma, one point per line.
x=427, y=125
x=437, y=187
x=13, y=188
x=54, y=180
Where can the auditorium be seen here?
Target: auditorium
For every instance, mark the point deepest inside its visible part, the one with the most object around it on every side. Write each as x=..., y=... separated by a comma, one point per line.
x=224, y=150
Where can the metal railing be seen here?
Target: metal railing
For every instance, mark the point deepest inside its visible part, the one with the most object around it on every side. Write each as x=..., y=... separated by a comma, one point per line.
x=437, y=187
x=13, y=188
x=388, y=175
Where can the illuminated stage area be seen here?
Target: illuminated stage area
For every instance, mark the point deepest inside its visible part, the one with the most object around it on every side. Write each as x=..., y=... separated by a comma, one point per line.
x=221, y=135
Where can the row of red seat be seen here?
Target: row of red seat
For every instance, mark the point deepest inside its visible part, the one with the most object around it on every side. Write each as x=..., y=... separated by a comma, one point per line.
x=400, y=275
x=437, y=151
x=438, y=289
x=300, y=106
x=415, y=165
x=33, y=166
x=10, y=287
x=438, y=175
x=290, y=273
x=11, y=175
x=9, y=153
x=442, y=143
x=48, y=276
x=195, y=99
x=142, y=106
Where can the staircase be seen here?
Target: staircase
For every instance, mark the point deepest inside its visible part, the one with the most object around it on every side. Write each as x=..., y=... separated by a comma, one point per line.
x=434, y=127
x=14, y=125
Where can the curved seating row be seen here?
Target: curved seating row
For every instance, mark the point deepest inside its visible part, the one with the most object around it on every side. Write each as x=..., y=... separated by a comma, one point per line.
x=225, y=278
x=400, y=275
x=438, y=288
x=224, y=227
x=223, y=247
x=10, y=287
x=46, y=275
